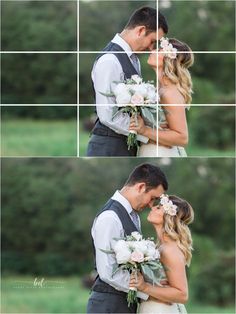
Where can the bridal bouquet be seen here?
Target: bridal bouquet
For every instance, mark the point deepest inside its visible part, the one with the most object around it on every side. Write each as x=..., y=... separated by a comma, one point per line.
x=133, y=253
x=133, y=96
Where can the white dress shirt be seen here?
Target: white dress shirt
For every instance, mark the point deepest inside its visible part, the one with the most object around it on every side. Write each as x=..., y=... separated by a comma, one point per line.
x=106, y=227
x=105, y=71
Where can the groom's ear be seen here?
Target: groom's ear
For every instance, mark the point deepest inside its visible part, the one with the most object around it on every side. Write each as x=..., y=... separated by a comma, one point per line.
x=140, y=30
x=141, y=187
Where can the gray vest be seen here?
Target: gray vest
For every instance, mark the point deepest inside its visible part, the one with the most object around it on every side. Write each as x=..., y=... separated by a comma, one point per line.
x=129, y=227
x=128, y=71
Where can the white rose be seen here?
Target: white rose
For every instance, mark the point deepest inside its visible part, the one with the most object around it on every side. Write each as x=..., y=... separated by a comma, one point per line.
x=151, y=244
x=137, y=256
x=151, y=253
x=164, y=200
x=172, y=211
x=164, y=43
x=167, y=207
x=140, y=89
x=137, y=99
x=137, y=79
x=123, y=98
x=151, y=93
x=122, y=252
x=120, y=89
x=173, y=54
x=123, y=257
x=140, y=246
x=136, y=235
x=120, y=246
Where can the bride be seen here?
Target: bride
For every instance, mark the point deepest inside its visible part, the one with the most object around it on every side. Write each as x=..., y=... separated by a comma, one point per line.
x=170, y=219
x=175, y=88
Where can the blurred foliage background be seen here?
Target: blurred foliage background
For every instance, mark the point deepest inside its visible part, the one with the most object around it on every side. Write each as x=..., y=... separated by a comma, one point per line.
x=51, y=26
x=211, y=130
x=39, y=78
x=38, y=131
x=48, y=206
x=203, y=25
x=38, y=25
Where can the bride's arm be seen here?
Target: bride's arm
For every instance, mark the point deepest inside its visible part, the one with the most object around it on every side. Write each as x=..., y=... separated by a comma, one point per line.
x=177, y=132
x=177, y=290
x=142, y=129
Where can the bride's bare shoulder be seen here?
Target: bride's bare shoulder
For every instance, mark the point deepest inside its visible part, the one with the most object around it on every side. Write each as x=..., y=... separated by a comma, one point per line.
x=171, y=95
x=171, y=251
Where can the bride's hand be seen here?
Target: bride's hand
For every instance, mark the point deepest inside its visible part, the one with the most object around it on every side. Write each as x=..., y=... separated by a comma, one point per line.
x=137, y=281
x=137, y=125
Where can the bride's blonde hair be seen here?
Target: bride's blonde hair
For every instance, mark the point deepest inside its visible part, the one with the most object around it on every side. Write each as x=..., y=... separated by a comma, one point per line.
x=176, y=227
x=176, y=70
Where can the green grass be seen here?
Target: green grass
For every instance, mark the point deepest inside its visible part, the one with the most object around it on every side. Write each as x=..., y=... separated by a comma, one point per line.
x=83, y=142
x=192, y=150
x=71, y=298
x=196, y=151
x=24, y=137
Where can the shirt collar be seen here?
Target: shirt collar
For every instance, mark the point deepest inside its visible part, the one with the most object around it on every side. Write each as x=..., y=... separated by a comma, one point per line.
x=123, y=44
x=123, y=201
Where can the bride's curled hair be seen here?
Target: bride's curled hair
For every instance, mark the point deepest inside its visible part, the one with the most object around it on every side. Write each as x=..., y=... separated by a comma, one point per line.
x=176, y=70
x=176, y=227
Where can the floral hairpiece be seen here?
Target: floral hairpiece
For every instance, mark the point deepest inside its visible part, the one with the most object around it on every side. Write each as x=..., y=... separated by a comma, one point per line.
x=169, y=207
x=168, y=48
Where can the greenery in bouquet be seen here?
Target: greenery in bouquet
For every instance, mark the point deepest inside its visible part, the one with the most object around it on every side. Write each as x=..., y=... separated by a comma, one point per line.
x=133, y=254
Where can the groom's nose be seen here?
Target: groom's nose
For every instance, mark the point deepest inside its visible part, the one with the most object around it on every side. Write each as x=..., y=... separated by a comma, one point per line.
x=150, y=204
x=151, y=46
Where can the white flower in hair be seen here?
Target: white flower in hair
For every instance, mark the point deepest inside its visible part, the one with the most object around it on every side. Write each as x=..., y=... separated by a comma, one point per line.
x=168, y=206
x=164, y=43
x=168, y=48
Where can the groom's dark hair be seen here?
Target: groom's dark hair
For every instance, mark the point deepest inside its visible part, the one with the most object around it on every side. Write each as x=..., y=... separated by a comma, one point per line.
x=162, y=22
x=145, y=16
x=152, y=175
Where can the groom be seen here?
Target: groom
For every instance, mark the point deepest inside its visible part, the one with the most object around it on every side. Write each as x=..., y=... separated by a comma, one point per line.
x=116, y=63
x=119, y=217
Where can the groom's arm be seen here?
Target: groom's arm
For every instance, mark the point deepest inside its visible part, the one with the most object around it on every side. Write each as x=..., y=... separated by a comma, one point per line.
x=105, y=229
x=105, y=72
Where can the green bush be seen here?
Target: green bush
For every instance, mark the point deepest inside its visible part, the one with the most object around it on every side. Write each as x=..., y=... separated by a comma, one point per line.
x=215, y=283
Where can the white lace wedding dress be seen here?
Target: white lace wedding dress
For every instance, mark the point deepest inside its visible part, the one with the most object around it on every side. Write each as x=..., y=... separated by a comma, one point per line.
x=151, y=149
x=174, y=151
x=155, y=307
x=147, y=150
